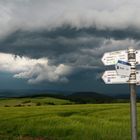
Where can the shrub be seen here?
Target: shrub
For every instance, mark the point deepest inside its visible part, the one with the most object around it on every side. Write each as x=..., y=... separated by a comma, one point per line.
x=27, y=101
x=38, y=104
x=51, y=103
x=18, y=105
x=6, y=106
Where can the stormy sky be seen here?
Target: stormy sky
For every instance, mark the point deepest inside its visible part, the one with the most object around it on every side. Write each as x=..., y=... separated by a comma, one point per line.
x=58, y=44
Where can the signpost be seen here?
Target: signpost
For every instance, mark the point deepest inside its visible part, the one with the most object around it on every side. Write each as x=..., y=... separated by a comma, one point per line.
x=125, y=62
x=132, y=83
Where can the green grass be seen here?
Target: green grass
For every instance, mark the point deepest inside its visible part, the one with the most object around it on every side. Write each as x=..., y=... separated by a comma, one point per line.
x=32, y=101
x=66, y=122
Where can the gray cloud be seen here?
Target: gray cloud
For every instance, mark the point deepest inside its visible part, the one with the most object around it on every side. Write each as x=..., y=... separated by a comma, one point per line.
x=82, y=49
x=31, y=15
x=75, y=33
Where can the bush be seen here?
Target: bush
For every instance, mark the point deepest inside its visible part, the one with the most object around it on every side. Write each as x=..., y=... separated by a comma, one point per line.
x=50, y=103
x=6, y=106
x=18, y=105
x=27, y=101
x=68, y=103
x=38, y=104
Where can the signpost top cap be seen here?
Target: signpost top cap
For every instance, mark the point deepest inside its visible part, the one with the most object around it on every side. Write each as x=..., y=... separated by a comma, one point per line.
x=131, y=49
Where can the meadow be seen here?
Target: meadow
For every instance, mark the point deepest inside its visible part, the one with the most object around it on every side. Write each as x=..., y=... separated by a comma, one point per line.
x=63, y=120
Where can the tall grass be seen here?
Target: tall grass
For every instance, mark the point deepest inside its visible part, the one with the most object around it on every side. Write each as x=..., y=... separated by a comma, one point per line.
x=67, y=122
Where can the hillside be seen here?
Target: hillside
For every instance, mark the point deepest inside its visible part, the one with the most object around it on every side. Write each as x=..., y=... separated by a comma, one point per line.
x=67, y=122
x=89, y=97
x=77, y=97
x=38, y=101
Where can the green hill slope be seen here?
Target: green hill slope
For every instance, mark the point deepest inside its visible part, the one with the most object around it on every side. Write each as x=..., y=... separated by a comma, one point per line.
x=89, y=97
x=66, y=122
x=33, y=101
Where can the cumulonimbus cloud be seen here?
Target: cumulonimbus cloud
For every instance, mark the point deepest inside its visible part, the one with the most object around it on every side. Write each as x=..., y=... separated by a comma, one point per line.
x=36, y=28
x=34, y=70
x=50, y=14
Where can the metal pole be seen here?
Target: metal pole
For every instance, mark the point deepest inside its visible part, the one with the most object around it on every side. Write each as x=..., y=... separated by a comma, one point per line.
x=132, y=81
x=133, y=111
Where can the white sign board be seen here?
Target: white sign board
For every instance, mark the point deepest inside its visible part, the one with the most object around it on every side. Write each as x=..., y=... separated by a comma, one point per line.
x=138, y=56
x=111, y=58
x=111, y=77
x=123, y=68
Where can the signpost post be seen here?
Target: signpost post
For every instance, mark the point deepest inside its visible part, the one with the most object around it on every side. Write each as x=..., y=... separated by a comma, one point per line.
x=125, y=62
x=132, y=82
x=138, y=77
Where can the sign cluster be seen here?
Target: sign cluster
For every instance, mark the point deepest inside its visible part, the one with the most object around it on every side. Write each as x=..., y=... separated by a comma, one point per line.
x=122, y=66
x=125, y=64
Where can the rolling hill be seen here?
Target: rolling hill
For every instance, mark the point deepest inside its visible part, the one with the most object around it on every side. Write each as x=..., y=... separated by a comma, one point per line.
x=89, y=97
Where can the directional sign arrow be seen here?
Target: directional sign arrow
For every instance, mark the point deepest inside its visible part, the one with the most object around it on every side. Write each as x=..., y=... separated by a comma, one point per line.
x=111, y=58
x=111, y=77
x=123, y=68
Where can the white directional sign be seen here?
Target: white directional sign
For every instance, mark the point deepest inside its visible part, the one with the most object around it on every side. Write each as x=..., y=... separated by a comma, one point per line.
x=111, y=77
x=138, y=56
x=123, y=68
x=111, y=58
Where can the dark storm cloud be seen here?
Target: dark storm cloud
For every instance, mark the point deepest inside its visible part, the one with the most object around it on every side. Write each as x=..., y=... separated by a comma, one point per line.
x=31, y=15
x=60, y=46
x=74, y=33
x=69, y=45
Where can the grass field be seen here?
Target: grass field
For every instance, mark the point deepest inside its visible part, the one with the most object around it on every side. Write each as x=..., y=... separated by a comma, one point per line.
x=16, y=102
x=65, y=122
